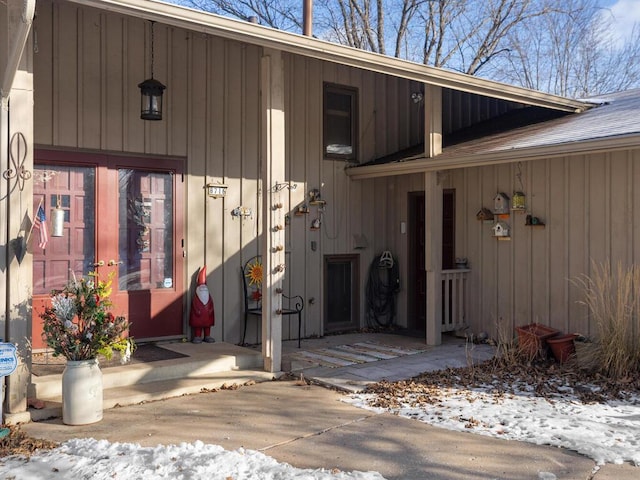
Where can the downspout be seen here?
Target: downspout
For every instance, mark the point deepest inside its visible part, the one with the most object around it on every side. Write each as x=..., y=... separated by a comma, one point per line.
x=16, y=49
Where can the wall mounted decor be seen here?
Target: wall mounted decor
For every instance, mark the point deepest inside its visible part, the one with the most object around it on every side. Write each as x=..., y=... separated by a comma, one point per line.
x=501, y=203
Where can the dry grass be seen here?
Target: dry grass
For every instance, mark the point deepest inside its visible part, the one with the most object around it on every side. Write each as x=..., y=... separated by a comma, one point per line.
x=18, y=443
x=612, y=298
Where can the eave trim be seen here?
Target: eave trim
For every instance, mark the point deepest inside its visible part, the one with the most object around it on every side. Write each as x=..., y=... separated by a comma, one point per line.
x=422, y=165
x=216, y=25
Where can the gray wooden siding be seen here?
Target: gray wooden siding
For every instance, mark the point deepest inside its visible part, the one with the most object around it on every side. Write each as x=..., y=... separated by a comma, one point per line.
x=591, y=207
x=87, y=68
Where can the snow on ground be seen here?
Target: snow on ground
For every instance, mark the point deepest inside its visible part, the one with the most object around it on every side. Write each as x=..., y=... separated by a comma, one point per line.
x=606, y=432
x=99, y=459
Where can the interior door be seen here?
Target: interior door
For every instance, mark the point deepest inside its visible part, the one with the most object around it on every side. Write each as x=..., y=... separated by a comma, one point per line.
x=122, y=218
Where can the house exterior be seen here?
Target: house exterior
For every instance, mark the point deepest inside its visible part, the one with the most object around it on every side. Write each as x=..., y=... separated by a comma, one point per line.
x=330, y=156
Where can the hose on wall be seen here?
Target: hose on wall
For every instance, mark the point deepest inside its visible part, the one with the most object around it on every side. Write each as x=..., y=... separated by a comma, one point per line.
x=383, y=284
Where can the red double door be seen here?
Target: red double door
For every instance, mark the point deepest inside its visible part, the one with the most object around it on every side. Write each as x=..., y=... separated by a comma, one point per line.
x=122, y=218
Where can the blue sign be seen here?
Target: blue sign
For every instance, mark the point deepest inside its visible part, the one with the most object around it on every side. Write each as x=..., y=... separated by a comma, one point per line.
x=8, y=359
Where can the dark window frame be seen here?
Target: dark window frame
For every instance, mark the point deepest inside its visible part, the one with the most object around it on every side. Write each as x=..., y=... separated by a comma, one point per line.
x=352, y=93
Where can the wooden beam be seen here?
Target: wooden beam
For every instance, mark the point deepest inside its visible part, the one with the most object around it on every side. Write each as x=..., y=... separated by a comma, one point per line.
x=433, y=256
x=433, y=120
x=273, y=188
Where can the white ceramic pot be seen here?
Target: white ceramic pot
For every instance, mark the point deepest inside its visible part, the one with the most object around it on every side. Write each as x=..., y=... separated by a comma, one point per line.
x=81, y=392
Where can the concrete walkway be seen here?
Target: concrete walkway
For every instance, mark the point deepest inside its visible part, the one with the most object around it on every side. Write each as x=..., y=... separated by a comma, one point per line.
x=308, y=426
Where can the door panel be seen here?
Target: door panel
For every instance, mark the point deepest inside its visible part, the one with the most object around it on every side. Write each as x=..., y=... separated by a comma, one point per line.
x=341, y=292
x=417, y=275
x=124, y=216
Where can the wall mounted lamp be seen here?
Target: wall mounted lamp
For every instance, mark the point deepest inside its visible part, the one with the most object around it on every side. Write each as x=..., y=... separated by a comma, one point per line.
x=151, y=91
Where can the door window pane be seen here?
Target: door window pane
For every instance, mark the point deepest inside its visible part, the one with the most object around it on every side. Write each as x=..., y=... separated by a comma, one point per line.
x=145, y=240
x=73, y=190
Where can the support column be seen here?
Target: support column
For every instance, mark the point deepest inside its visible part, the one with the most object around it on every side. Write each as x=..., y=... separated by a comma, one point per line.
x=16, y=197
x=433, y=257
x=433, y=120
x=273, y=184
x=433, y=215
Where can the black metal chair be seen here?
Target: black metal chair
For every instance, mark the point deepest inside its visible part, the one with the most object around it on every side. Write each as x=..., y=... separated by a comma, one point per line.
x=252, y=286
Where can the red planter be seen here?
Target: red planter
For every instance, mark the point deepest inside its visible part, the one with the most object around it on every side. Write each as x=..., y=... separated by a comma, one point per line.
x=563, y=346
x=532, y=338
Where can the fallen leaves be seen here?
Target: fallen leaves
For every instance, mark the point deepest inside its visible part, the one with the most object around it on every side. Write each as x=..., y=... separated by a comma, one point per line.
x=18, y=443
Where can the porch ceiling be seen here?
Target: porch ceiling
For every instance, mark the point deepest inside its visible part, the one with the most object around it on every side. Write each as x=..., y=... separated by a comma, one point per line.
x=207, y=23
x=613, y=125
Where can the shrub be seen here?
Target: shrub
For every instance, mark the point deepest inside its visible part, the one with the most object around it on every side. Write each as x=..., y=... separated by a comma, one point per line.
x=611, y=296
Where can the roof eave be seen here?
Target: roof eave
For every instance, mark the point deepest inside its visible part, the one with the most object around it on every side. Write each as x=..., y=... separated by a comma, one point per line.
x=623, y=142
x=211, y=24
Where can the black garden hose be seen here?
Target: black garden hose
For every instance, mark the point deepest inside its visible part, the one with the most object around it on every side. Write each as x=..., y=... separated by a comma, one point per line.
x=382, y=286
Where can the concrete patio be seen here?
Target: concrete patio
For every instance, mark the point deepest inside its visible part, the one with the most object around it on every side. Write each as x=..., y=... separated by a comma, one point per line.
x=348, y=362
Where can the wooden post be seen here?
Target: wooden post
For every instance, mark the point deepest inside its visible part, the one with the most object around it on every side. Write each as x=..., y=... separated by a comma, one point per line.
x=433, y=216
x=273, y=188
x=433, y=257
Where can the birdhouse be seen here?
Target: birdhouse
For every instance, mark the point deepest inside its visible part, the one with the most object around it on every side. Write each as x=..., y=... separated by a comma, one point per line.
x=484, y=214
x=501, y=203
x=518, y=201
x=500, y=229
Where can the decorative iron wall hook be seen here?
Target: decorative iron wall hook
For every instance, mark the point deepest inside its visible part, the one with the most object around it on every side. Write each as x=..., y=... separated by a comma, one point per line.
x=18, y=149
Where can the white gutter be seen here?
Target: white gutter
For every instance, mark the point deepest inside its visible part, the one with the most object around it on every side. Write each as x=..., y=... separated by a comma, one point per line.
x=624, y=142
x=210, y=24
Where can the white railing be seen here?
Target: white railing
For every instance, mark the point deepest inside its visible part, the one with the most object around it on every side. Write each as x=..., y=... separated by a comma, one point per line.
x=454, y=299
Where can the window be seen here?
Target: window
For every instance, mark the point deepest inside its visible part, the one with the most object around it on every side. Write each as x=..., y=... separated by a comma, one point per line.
x=340, y=122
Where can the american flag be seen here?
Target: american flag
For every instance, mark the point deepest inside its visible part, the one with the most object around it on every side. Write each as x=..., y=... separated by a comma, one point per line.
x=40, y=224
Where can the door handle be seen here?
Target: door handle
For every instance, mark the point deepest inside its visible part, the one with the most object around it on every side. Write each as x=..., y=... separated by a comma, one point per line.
x=113, y=262
x=99, y=263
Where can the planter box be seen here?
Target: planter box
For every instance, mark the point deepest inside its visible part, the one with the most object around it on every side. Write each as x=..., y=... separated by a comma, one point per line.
x=563, y=346
x=532, y=339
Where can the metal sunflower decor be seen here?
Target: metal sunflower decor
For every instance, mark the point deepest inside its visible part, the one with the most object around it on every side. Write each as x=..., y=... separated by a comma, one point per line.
x=254, y=273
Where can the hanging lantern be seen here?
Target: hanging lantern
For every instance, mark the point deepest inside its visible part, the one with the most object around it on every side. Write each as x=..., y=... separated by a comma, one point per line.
x=151, y=91
x=57, y=222
x=151, y=99
x=518, y=201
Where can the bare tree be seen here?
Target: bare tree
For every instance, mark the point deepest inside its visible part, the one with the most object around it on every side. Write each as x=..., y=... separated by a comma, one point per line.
x=280, y=14
x=577, y=56
x=559, y=46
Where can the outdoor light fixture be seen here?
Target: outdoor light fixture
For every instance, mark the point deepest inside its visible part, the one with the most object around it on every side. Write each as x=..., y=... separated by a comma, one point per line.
x=151, y=93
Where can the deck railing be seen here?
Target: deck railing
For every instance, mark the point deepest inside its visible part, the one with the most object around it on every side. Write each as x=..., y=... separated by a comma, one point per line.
x=454, y=299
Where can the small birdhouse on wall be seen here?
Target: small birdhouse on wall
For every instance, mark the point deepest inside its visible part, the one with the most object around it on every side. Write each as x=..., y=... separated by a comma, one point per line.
x=501, y=203
x=484, y=214
x=500, y=229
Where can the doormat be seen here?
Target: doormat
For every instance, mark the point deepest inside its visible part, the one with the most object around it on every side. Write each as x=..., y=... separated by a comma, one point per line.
x=46, y=364
x=356, y=353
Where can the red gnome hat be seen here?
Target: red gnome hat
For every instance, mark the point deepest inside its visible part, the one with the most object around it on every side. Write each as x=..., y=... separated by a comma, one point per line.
x=202, y=276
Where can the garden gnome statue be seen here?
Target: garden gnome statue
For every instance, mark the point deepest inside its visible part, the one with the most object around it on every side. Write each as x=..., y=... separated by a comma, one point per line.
x=202, y=316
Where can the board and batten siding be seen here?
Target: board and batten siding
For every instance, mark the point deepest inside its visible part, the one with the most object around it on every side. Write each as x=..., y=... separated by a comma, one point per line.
x=87, y=66
x=388, y=121
x=590, y=205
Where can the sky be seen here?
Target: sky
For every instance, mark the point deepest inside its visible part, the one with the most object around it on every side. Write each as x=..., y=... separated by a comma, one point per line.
x=625, y=14
x=606, y=433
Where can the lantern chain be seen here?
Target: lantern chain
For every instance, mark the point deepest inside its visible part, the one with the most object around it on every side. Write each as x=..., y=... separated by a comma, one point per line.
x=152, y=52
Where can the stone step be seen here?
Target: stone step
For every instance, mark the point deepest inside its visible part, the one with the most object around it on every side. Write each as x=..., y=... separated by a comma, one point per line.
x=203, y=367
x=153, y=391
